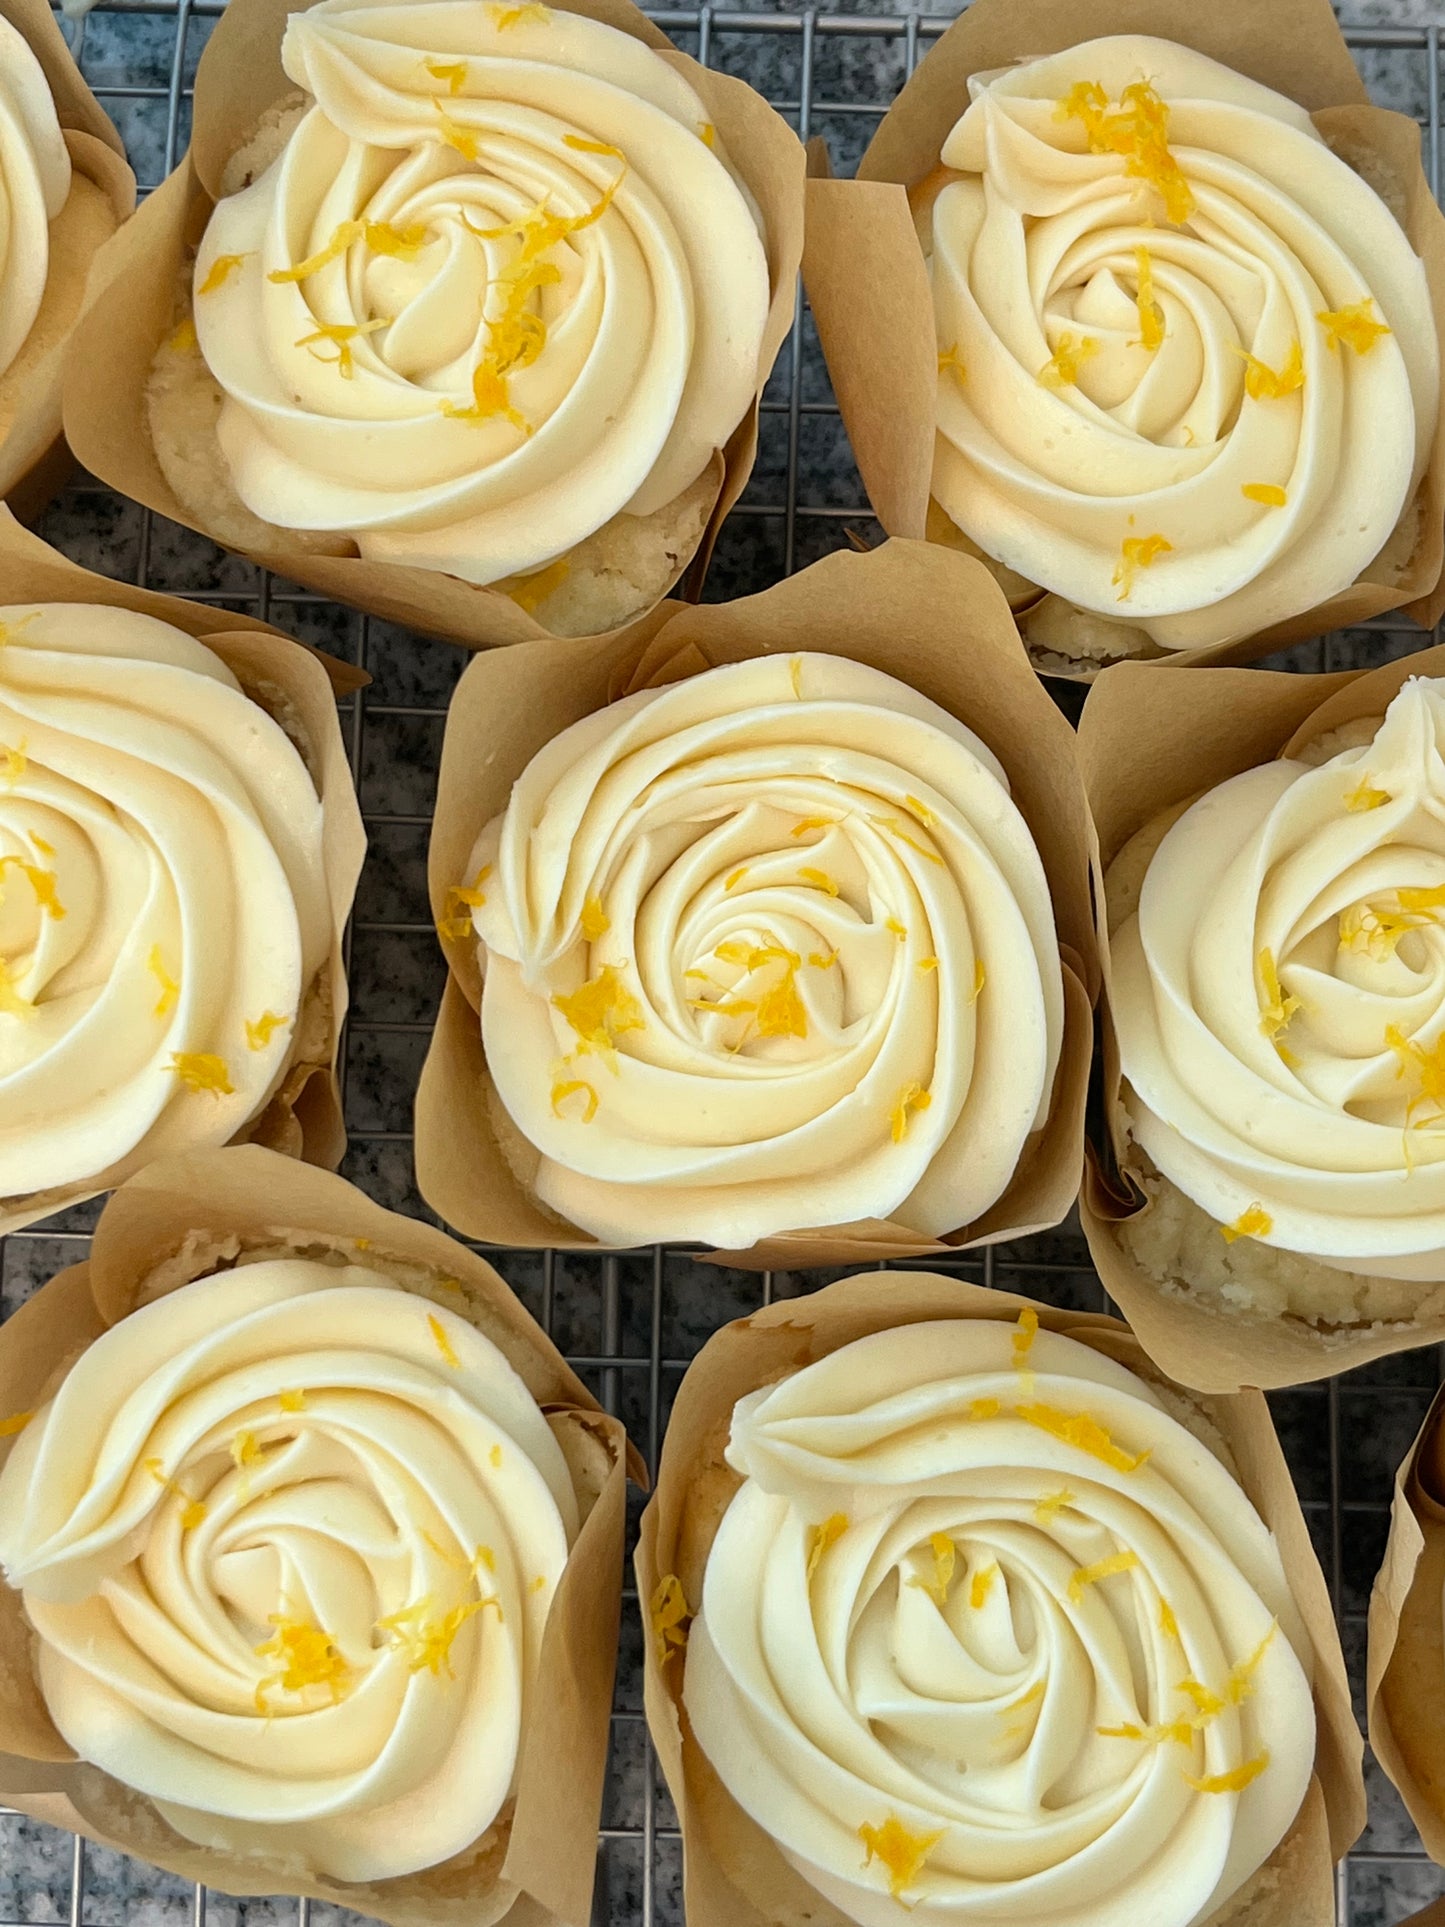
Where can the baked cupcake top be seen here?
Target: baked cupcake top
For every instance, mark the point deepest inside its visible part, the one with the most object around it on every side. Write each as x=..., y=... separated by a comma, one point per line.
x=163, y=904
x=1279, y=997
x=288, y=1538
x=765, y=949
x=35, y=175
x=1189, y=373
x=988, y=1632
x=501, y=284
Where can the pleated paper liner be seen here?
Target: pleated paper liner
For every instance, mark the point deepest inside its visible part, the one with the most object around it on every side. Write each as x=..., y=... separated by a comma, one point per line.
x=1148, y=742
x=905, y=609
x=133, y=310
x=177, y=1221
x=868, y=283
x=303, y=1117
x=734, y=1875
x=1405, y=1673
x=33, y=464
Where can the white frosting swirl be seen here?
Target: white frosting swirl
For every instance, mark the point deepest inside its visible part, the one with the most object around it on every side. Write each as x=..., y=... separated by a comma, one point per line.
x=1025, y=1680
x=293, y=1471
x=34, y=187
x=163, y=906
x=1272, y=482
x=548, y=308
x=1279, y=1000
x=768, y=948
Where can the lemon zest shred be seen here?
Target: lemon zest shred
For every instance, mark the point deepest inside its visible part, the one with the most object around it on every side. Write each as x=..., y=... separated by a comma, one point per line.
x=949, y=357
x=670, y=1618
x=531, y=13
x=41, y=881
x=454, y=72
x=245, y=1449
x=1235, y=1780
x=592, y=147
x=193, y=1511
x=1364, y=796
x=731, y=882
x=1352, y=327
x=913, y=1097
x=823, y=1536
x=426, y=1641
x=600, y=1011
x=1137, y=552
x=1263, y=383
x=1061, y=370
x=293, y=1401
x=1137, y=129
x=595, y=920
x=182, y=338
x=981, y=1585
x=707, y=134
x=980, y=1409
x=1106, y=1568
x=494, y=1458
x=529, y=592
x=921, y=810
x=895, y=828
x=262, y=1029
x=823, y=960
x=308, y=1656
x=925, y=964
x=1268, y=494
x=202, y=1070
x=1048, y=1508
x=341, y=334
x=979, y=980
x=221, y=270
x=1253, y=1222
x=1151, y=315
x=1084, y=1432
x=16, y=1422
x=562, y=1091
x=442, y=1340
x=945, y=1558
x=806, y=823
x=170, y=988
x=1025, y=1333
x=820, y=880
x=1168, y=1624
x=13, y=765
x=902, y=1854
x=1276, y=1009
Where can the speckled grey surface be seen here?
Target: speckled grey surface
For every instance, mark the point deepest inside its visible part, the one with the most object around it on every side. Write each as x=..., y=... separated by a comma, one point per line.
x=1343, y=1440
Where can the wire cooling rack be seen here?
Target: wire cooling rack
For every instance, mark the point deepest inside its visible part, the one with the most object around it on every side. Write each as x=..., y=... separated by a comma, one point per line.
x=629, y=1322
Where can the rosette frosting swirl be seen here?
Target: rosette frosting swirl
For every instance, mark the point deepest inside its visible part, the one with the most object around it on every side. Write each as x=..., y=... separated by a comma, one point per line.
x=34, y=187
x=500, y=285
x=1279, y=1000
x=163, y=905
x=768, y=948
x=987, y=1632
x=289, y=1537
x=1189, y=373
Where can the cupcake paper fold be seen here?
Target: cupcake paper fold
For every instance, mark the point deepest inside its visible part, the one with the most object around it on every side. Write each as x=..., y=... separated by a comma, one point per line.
x=177, y=1221
x=1405, y=1666
x=138, y=273
x=935, y=622
x=33, y=462
x=1148, y=742
x=734, y=1874
x=868, y=284
x=303, y=1118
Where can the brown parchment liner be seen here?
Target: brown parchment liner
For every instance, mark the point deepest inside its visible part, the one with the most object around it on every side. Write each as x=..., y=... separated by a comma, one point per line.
x=297, y=686
x=868, y=285
x=734, y=1875
x=905, y=609
x=239, y=78
x=1148, y=741
x=102, y=196
x=182, y=1218
x=1405, y=1665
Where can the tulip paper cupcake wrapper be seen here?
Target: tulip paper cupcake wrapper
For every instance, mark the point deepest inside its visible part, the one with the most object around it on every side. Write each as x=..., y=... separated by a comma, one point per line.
x=140, y=278
x=735, y=1874
x=298, y=688
x=905, y=611
x=869, y=286
x=1405, y=1678
x=102, y=196
x=182, y=1219
x=1150, y=745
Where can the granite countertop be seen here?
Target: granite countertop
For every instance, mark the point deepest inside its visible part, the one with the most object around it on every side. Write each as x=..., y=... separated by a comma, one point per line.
x=1344, y=1439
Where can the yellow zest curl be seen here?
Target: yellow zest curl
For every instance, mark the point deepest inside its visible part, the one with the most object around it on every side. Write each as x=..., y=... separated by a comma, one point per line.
x=1047, y=1509
x=1263, y=383
x=42, y=883
x=823, y=1536
x=945, y=1558
x=1084, y=1433
x=1353, y=327
x=1235, y=1781
x=1107, y=1568
x=453, y=72
x=913, y=1097
x=260, y=1031
x=1136, y=129
x=595, y=920
x=529, y=592
x=193, y=1511
x=201, y=1070
x=427, y=1641
x=901, y=1853
x=1061, y=370
x=1268, y=494
x=981, y=1585
x=1151, y=315
x=1275, y=1010
x=820, y=880
x=1252, y=1223
x=562, y=1091
x=16, y=1422
x=1138, y=552
x=308, y=1656
x=170, y=989
x=220, y=271
x=1364, y=796
x=340, y=334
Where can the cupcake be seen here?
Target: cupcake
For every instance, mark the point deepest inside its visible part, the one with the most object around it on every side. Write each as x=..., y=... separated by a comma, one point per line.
x=1276, y=999
x=970, y=1617
x=179, y=842
x=485, y=303
x=764, y=951
x=298, y=1555
x=1188, y=367
x=66, y=189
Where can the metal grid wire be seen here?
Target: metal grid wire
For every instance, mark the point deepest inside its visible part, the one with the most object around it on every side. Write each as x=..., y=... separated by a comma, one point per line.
x=629, y=1322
